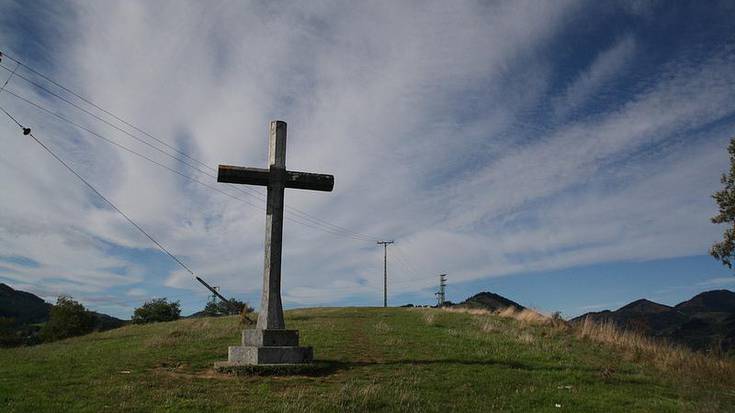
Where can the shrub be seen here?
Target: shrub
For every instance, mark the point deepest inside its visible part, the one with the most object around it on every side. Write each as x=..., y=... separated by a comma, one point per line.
x=67, y=318
x=158, y=309
x=218, y=308
x=8, y=332
x=222, y=308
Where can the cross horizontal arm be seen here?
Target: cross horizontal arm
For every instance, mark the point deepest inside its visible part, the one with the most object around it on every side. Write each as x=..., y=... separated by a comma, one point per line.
x=243, y=175
x=306, y=180
x=262, y=177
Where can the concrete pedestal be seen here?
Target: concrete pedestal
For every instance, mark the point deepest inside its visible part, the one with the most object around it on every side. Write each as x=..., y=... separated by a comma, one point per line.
x=268, y=347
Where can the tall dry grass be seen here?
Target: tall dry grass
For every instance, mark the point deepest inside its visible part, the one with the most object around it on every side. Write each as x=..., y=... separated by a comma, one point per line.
x=526, y=316
x=634, y=346
x=663, y=355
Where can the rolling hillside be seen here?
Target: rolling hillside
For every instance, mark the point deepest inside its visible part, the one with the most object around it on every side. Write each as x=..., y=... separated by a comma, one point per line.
x=368, y=359
x=705, y=322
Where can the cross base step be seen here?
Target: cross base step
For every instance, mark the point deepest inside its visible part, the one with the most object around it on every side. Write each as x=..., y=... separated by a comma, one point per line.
x=251, y=355
x=239, y=369
x=267, y=338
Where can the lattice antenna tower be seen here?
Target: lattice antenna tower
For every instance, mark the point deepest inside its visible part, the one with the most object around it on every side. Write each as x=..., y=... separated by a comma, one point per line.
x=441, y=294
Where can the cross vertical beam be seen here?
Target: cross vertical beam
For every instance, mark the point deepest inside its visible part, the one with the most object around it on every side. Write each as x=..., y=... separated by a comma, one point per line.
x=271, y=307
x=270, y=342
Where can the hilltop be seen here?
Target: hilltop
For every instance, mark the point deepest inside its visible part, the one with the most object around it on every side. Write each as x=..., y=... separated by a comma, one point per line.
x=704, y=322
x=409, y=359
x=489, y=301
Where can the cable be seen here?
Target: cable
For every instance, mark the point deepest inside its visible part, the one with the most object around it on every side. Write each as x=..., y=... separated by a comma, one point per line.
x=12, y=73
x=81, y=178
x=138, y=227
x=354, y=234
x=296, y=211
x=12, y=118
x=123, y=147
x=314, y=222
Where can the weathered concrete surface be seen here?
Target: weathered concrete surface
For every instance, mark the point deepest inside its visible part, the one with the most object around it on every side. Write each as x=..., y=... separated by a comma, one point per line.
x=270, y=355
x=270, y=342
x=260, y=338
x=281, y=369
x=271, y=309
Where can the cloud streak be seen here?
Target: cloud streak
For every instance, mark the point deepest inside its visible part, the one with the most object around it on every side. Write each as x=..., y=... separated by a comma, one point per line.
x=427, y=116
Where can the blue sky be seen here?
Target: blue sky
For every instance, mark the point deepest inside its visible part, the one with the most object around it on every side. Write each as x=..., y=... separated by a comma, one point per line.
x=560, y=153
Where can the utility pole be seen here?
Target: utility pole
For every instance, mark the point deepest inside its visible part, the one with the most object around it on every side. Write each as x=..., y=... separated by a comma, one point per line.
x=441, y=295
x=213, y=297
x=235, y=309
x=385, y=270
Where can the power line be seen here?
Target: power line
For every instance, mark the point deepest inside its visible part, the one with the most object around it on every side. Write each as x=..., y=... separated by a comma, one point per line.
x=123, y=147
x=9, y=77
x=313, y=222
x=91, y=187
x=27, y=132
x=292, y=210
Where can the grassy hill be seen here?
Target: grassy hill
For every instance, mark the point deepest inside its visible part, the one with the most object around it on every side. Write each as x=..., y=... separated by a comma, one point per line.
x=706, y=322
x=375, y=359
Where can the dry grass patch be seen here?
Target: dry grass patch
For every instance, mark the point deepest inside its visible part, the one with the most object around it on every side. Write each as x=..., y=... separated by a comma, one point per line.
x=429, y=317
x=525, y=337
x=489, y=326
x=664, y=356
x=383, y=327
x=526, y=316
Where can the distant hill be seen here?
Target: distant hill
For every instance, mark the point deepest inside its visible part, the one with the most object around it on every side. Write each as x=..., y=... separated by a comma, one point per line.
x=489, y=301
x=107, y=322
x=23, y=307
x=705, y=322
x=710, y=301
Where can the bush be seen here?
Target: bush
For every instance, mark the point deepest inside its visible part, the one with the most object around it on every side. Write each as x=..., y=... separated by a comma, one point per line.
x=158, y=309
x=219, y=308
x=8, y=332
x=67, y=318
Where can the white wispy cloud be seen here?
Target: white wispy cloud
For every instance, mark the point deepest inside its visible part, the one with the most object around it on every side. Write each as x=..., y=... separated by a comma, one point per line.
x=717, y=282
x=419, y=112
x=606, y=66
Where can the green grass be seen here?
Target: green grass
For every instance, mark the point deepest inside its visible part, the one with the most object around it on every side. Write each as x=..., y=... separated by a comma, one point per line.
x=375, y=359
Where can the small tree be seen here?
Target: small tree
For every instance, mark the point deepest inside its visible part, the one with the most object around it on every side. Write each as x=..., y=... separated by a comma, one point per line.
x=724, y=250
x=67, y=318
x=234, y=306
x=211, y=309
x=155, y=310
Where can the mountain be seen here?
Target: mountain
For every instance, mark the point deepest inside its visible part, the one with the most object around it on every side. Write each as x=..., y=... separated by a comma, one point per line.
x=644, y=306
x=20, y=311
x=106, y=322
x=711, y=301
x=489, y=301
x=705, y=322
x=23, y=307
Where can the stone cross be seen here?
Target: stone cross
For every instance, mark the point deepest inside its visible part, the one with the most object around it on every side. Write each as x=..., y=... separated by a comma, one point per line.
x=281, y=345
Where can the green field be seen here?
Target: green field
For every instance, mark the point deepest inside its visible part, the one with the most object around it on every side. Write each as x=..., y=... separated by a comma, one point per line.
x=373, y=358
